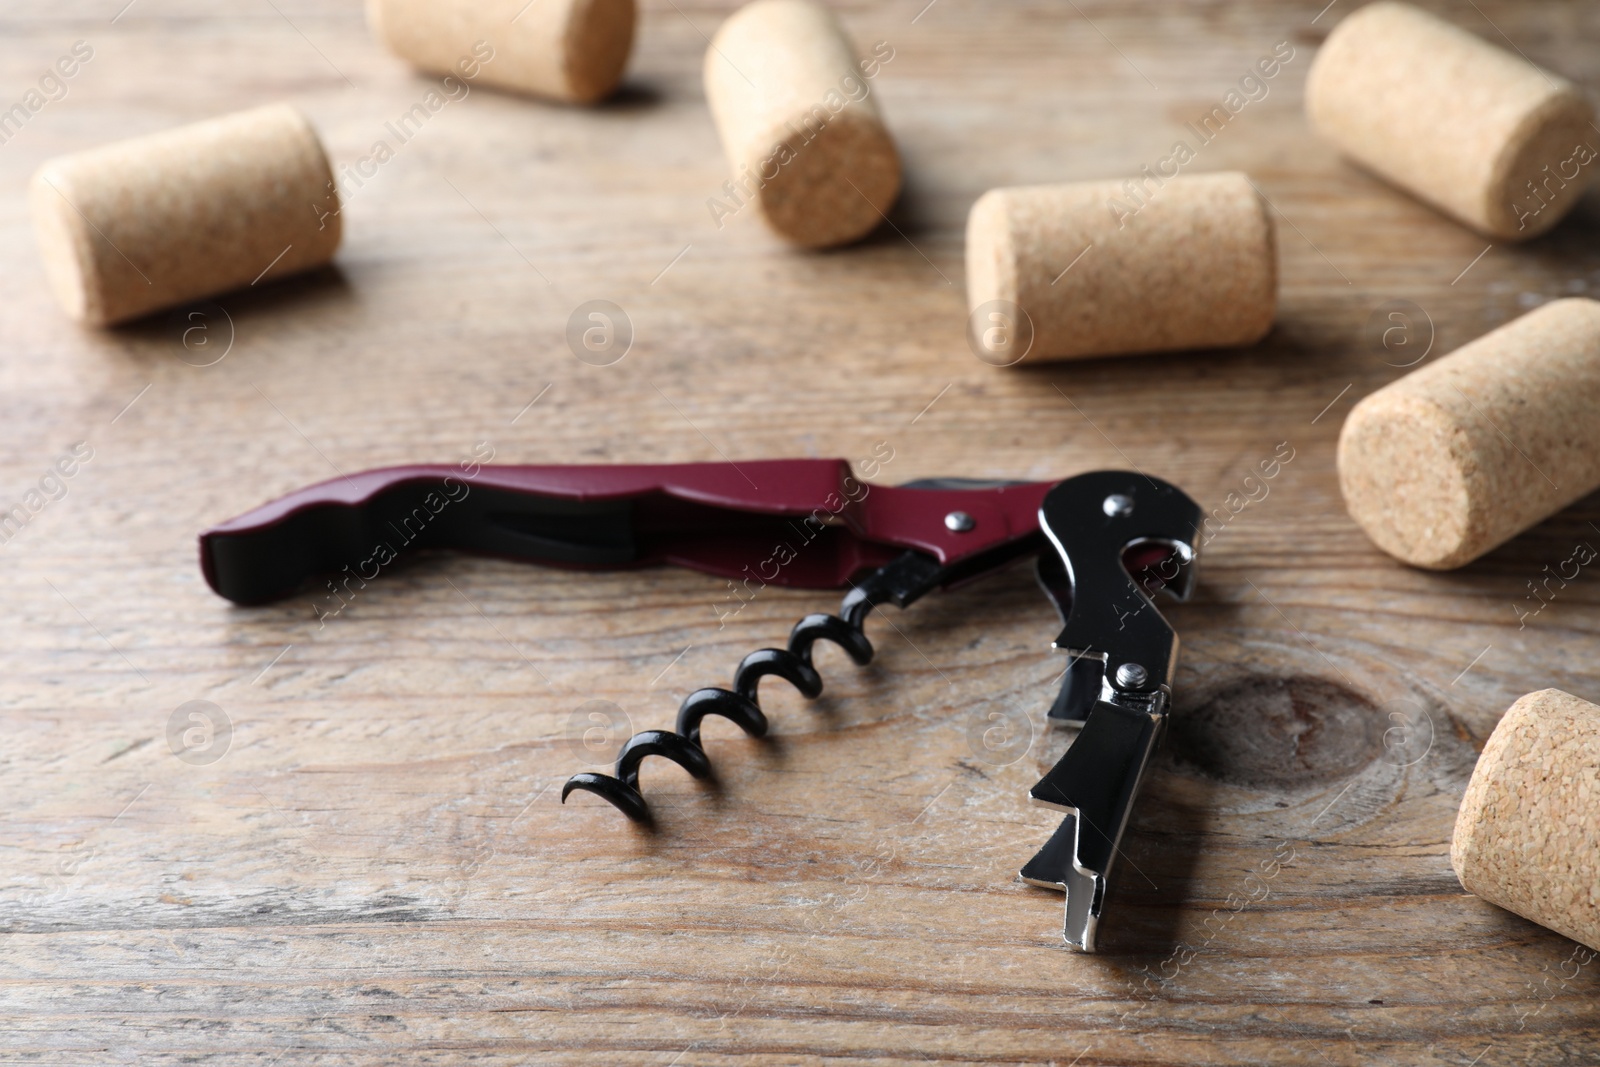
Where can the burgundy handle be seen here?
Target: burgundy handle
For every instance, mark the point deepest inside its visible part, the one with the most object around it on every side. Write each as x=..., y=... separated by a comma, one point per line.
x=797, y=522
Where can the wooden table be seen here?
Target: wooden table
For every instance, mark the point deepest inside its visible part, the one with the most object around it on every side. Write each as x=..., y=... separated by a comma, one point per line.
x=374, y=868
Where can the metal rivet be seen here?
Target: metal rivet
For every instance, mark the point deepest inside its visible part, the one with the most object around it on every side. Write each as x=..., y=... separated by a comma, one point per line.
x=1117, y=506
x=959, y=522
x=1132, y=676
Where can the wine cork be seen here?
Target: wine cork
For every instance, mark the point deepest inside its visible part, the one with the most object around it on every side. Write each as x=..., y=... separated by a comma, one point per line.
x=1479, y=133
x=1527, y=837
x=1143, y=265
x=793, y=105
x=147, y=223
x=570, y=50
x=1460, y=456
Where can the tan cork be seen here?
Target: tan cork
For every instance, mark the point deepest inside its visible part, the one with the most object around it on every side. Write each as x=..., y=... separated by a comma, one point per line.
x=1528, y=834
x=1480, y=133
x=156, y=221
x=794, y=107
x=1101, y=270
x=1460, y=456
x=569, y=50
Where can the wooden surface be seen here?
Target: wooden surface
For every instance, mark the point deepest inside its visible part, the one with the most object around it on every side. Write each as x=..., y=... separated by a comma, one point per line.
x=375, y=868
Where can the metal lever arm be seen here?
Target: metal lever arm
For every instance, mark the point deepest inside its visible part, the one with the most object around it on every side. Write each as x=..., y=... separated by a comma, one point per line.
x=1123, y=653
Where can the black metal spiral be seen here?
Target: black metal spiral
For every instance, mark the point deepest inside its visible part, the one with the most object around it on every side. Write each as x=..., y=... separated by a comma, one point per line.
x=739, y=704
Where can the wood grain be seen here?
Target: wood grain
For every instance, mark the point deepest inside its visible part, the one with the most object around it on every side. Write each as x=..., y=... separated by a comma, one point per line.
x=376, y=869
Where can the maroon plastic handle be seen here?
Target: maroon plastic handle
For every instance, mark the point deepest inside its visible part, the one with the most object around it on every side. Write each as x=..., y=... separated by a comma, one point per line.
x=799, y=522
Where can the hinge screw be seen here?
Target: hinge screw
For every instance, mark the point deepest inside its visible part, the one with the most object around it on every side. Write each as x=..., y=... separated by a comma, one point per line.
x=959, y=522
x=1132, y=676
x=1117, y=505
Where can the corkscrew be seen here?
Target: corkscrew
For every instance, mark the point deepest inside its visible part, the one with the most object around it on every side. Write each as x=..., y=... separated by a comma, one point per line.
x=1104, y=543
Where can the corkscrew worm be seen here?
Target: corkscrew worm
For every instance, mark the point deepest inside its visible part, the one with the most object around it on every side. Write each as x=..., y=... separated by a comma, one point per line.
x=740, y=704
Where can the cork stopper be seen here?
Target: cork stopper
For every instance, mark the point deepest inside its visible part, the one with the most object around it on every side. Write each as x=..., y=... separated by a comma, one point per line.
x=568, y=50
x=1481, y=134
x=1458, y=457
x=1119, y=267
x=793, y=105
x=157, y=221
x=1527, y=837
